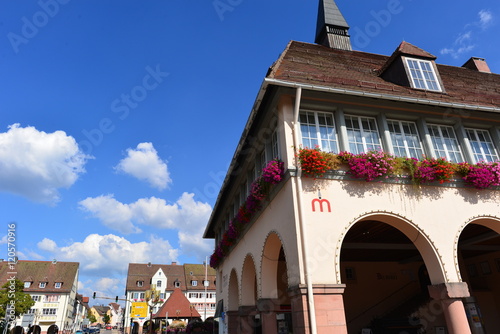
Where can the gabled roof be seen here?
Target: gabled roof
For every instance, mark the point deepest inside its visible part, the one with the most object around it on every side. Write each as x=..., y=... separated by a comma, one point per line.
x=101, y=309
x=357, y=72
x=50, y=272
x=177, y=306
x=196, y=272
x=144, y=272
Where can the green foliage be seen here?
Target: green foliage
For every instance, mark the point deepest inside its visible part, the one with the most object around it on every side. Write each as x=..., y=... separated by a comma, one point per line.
x=13, y=298
x=106, y=318
x=91, y=318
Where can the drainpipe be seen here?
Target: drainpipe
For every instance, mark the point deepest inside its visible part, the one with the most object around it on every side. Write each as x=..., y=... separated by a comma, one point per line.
x=303, y=239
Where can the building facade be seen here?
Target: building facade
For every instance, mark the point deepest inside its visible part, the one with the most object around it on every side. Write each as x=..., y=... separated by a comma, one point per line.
x=354, y=203
x=196, y=281
x=53, y=287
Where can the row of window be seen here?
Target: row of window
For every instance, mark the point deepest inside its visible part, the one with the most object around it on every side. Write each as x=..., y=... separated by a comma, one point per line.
x=200, y=295
x=42, y=285
x=318, y=129
x=47, y=298
x=45, y=311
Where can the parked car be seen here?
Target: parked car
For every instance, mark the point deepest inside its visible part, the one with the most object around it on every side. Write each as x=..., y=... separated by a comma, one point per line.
x=79, y=332
x=109, y=327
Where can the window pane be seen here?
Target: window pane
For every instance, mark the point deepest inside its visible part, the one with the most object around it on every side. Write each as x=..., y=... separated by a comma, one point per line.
x=482, y=145
x=318, y=129
x=445, y=143
x=405, y=139
x=362, y=134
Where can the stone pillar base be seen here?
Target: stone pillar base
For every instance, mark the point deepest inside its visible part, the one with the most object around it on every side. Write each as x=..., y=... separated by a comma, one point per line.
x=329, y=309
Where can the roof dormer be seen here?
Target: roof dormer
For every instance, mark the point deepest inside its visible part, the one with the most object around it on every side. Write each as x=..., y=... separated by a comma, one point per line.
x=412, y=67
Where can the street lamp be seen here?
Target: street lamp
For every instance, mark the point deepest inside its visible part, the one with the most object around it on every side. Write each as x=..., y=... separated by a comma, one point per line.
x=152, y=298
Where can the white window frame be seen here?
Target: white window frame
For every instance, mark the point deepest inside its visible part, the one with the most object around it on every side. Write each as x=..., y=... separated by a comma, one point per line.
x=423, y=75
x=140, y=284
x=177, y=284
x=406, y=137
x=49, y=311
x=364, y=134
x=158, y=284
x=27, y=284
x=478, y=153
x=194, y=283
x=57, y=285
x=36, y=298
x=42, y=285
x=438, y=138
x=333, y=142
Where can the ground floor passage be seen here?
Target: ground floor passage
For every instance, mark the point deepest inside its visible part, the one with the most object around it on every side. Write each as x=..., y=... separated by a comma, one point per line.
x=386, y=288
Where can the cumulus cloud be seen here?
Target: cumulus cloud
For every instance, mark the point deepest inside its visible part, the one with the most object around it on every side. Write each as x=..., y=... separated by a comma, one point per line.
x=113, y=214
x=464, y=43
x=36, y=164
x=144, y=164
x=103, y=254
x=186, y=215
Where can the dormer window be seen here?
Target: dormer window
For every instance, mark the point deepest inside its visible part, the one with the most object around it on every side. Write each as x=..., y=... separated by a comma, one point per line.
x=140, y=284
x=27, y=284
x=194, y=283
x=58, y=285
x=422, y=74
x=42, y=285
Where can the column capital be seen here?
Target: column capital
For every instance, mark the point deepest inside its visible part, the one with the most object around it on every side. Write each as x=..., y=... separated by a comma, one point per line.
x=318, y=289
x=451, y=290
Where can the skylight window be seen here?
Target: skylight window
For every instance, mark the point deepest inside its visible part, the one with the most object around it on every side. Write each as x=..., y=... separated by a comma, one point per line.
x=422, y=74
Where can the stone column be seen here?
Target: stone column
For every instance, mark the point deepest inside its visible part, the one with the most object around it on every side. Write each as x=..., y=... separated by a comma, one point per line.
x=233, y=322
x=267, y=310
x=450, y=296
x=247, y=319
x=329, y=309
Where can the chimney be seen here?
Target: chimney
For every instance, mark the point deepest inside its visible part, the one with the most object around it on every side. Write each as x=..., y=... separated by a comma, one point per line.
x=477, y=64
x=174, y=263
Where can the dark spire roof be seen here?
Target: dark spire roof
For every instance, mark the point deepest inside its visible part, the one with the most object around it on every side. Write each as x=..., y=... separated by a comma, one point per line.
x=331, y=22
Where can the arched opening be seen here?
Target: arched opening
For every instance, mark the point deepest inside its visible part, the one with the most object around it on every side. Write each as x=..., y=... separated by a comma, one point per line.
x=34, y=330
x=249, y=314
x=135, y=327
x=385, y=275
x=53, y=329
x=233, y=322
x=17, y=330
x=479, y=263
x=275, y=299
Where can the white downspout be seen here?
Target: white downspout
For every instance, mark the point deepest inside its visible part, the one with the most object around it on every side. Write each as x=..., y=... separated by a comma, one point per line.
x=298, y=178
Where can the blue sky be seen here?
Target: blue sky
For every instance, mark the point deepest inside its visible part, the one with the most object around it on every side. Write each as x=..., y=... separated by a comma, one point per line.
x=118, y=119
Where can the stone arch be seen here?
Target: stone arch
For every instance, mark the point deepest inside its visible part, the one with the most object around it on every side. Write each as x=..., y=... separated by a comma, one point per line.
x=488, y=222
x=249, y=291
x=17, y=330
x=233, y=292
x=135, y=328
x=417, y=236
x=270, y=266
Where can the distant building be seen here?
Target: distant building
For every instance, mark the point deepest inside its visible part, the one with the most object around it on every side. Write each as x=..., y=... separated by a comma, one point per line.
x=80, y=312
x=195, y=281
x=359, y=248
x=53, y=287
x=99, y=311
x=116, y=313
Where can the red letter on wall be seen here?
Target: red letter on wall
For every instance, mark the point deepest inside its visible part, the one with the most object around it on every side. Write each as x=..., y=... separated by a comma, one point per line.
x=320, y=201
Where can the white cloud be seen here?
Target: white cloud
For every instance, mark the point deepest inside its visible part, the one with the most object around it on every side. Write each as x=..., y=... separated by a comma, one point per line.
x=104, y=255
x=111, y=213
x=145, y=164
x=465, y=43
x=35, y=164
x=186, y=215
x=485, y=18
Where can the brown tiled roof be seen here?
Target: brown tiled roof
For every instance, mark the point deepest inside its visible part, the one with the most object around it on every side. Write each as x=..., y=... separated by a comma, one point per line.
x=177, y=306
x=50, y=272
x=144, y=272
x=317, y=65
x=196, y=272
x=101, y=309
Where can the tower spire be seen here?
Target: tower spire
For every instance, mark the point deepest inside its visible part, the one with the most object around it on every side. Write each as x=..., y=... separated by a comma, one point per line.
x=331, y=29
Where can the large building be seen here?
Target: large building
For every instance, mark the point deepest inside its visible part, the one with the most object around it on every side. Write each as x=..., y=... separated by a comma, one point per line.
x=381, y=213
x=195, y=281
x=52, y=285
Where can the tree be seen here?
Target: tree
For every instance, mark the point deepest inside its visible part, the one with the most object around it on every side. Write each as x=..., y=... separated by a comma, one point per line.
x=13, y=299
x=91, y=318
x=106, y=318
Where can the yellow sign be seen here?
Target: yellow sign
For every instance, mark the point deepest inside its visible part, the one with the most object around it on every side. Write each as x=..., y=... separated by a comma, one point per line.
x=139, y=310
